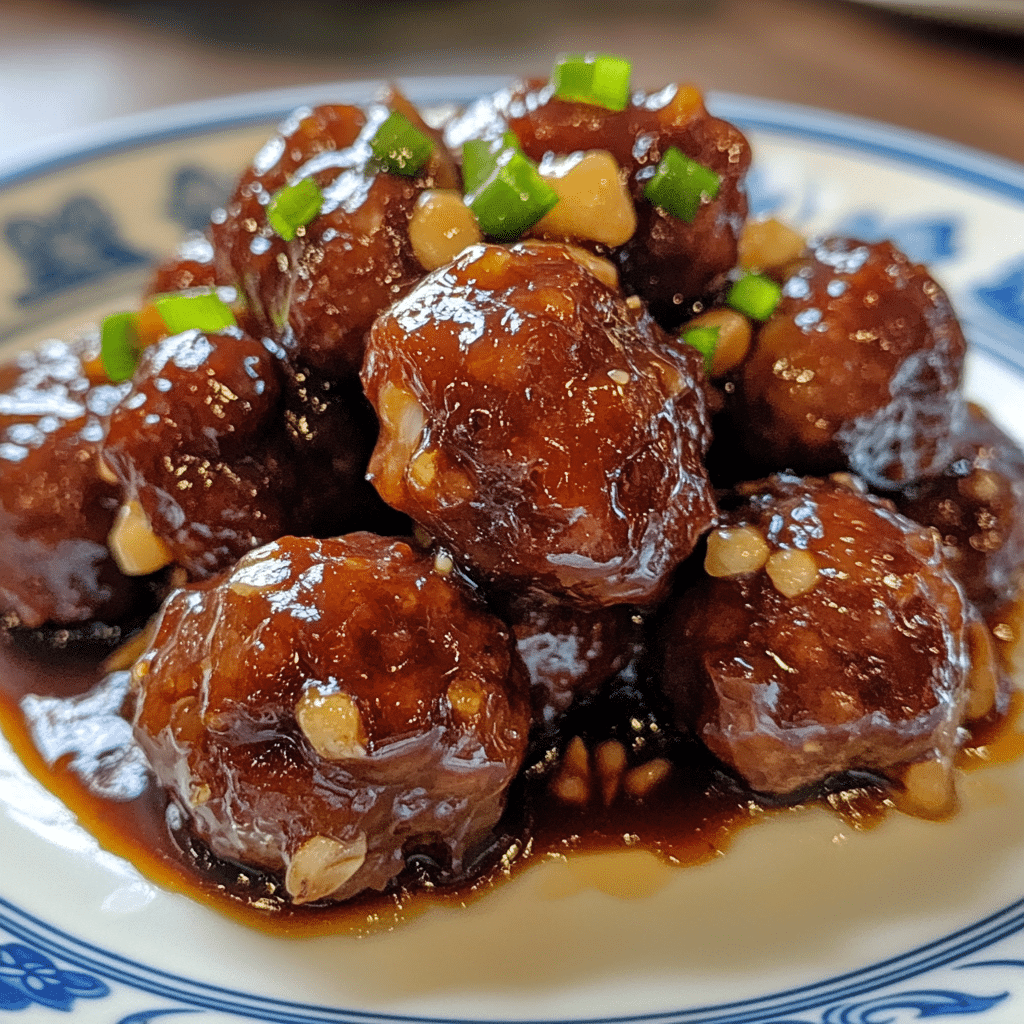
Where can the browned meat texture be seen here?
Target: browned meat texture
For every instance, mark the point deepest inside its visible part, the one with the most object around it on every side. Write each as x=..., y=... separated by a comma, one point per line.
x=55, y=510
x=321, y=291
x=329, y=706
x=831, y=637
x=978, y=507
x=541, y=425
x=667, y=261
x=859, y=367
x=225, y=447
x=199, y=444
x=569, y=650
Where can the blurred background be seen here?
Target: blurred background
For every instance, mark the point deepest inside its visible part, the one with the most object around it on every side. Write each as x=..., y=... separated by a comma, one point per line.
x=952, y=69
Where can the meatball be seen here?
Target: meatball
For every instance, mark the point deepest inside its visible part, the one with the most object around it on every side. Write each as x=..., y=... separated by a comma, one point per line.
x=569, y=650
x=321, y=291
x=198, y=446
x=55, y=508
x=541, y=425
x=667, y=260
x=977, y=505
x=327, y=708
x=858, y=368
x=828, y=636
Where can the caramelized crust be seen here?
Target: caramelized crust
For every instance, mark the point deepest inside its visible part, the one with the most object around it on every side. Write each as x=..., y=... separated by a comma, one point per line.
x=831, y=637
x=541, y=426
x=55, y=509
x=328, y=707
x=858, y=368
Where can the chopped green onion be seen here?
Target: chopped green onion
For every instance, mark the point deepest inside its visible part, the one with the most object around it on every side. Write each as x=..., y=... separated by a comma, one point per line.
x=199, y=311
x=294, y=206
x=599, y=79
x=680, y=185
x=705, y=341
x=480, y=158
x=399, y=146
x=754, y=295
x=119, y=346
x=512, y=198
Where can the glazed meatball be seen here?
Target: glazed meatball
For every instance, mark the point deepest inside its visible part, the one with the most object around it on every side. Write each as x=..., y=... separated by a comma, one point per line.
x=667, y=260
x=328, y=707
x=199, y=449
x=540, y=425
x=321, y=291
x=977, y=505
x=55, y=509
x=827, y=636
x=858, y=368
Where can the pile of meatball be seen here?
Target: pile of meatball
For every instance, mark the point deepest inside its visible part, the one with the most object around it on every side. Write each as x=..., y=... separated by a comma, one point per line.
x=434, y=489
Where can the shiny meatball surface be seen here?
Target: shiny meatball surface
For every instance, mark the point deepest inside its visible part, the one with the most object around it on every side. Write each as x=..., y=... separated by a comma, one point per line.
x=327, y=707
x=858, y=368
x=198, y=445
x=668, y=260
x=977, y=505
x=321, y=290
x=827, y=636
x=541, y=425
x=55, y=509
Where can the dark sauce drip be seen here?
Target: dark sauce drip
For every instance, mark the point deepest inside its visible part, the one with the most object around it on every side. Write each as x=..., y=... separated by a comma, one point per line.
x=687, y=819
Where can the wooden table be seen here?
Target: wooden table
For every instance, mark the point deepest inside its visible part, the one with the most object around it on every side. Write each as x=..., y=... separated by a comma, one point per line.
x=65, y=64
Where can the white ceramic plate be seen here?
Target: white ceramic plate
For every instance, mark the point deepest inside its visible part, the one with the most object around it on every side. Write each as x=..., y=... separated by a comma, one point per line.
x=803, y=921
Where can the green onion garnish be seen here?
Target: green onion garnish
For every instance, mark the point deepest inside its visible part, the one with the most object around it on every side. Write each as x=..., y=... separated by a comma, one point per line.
x=399, y=146
x=680, y=185
x=198, y=311
x=119, y=346
x=480, y=158
x=705, y=341
x=512, y=198
x=754, y=295
x=599, y=79
x=294, y=206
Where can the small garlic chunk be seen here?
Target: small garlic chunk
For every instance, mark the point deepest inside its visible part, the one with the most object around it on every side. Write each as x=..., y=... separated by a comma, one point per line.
x=441, y=226
x=768, y=245
x=332, y=724
x=640, y=781
x=593, y=201
x=135, y=548
x=928, y=790
x=983, y=679
x=610, y=761
x=735, y=551
x=572, y=783
x=792, y=571
x=466, y=696
x=321, y=866
x=735, y=334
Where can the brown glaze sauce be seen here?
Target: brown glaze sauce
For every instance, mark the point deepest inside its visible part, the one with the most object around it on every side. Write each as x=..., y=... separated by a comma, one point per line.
x=690, y=818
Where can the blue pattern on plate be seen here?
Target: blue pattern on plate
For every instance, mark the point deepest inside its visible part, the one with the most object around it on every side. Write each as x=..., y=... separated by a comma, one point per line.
x=195, y=191
x=28, y=976
x=1005, y=295
x=923, y=1004
x=80, y=242
x=924, y=239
